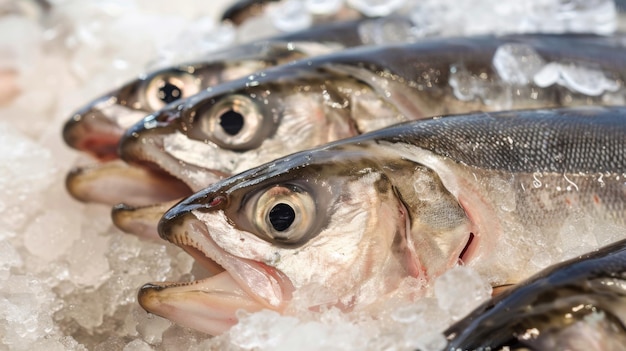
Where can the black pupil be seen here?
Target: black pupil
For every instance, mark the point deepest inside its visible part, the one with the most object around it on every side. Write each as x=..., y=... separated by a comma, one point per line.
x=232, y=122
x=281, y=216
x=169, y=93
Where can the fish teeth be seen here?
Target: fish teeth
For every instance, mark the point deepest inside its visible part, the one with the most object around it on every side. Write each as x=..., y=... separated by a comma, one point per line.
x=185, y=240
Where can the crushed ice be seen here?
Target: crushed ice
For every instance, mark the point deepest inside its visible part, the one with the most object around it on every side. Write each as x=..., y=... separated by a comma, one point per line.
x=584, y=80
x=68, y=280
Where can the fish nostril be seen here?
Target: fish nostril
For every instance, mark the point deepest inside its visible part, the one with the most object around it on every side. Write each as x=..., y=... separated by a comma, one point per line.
x=175, y=216
x=165, y=117
x=171, y=218
x=91, y=131
x=70, y=130
x=216, y=201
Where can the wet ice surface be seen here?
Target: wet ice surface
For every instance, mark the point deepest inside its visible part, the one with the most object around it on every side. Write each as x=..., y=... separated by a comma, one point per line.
x=68, y=280
x=449, y=17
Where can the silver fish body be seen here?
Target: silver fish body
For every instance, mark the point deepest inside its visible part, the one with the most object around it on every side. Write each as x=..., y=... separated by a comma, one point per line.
x=97, y=127
x=360, y=215
x=245, y=122
x=579, y=304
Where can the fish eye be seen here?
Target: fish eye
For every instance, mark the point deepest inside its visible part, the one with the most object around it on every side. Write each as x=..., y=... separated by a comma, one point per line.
x=233, y=123
x=284, y=214
x=166, y=88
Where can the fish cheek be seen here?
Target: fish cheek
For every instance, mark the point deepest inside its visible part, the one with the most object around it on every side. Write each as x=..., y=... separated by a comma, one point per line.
x=439, y=227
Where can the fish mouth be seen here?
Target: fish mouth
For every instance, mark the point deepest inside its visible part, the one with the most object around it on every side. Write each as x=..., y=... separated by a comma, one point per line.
x=145, y=147
x=115, y=182
x=210, y=304
x=96, y=129
x=141, y=221
x=94, y=133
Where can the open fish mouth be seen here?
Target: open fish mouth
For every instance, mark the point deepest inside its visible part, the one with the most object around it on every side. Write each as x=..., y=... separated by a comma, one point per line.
x=97, y=128
x=94, y=134
x=146, y=148
x=132, y=185
x=210, y=304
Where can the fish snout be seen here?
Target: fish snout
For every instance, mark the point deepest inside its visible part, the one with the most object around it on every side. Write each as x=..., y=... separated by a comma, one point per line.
x=177, y=215
x=92, y=131
x=134, y=144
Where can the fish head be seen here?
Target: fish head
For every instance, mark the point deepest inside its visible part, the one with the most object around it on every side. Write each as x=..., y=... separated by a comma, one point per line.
x=235, y=126
x=316, y=220
x=97, y=127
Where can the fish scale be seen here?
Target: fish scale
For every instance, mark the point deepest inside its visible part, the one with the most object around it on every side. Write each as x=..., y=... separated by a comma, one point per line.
x=558, y=298
x=490, y=141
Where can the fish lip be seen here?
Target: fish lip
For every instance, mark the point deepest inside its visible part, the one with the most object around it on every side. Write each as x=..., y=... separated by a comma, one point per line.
x=192, y=234
x=143, y=145
x=141, y=221
x=138, y=144
x=140, y=187
x=207, y=305
x=97, y=128
x=93, y=132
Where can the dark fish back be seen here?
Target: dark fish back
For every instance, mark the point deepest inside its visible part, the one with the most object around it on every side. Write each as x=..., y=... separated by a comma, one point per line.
x=571, y=140
x=542, y=303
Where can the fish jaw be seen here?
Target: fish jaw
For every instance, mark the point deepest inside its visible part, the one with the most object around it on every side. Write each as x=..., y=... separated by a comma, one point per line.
x=98, y=127
x=262, y=282
x=209, y=305
x=144, y=145
x=141, y=221
x=133, y=185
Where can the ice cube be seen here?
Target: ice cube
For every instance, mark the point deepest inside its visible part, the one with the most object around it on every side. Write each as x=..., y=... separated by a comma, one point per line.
x=150, y=327
x=376, y=8
x=111, y=343
x=20, y=47
x=198, y=39
x=26, y=169
x=26, y=306
x=50, y=235
x=87, y=261
x=10, y=258
x=465, y=86
x=137, y=345
x=262, y=330
x=323, y=7
x=517, y=63
x=177, y=337
x=290, y=16
x=570, y=242
x=460, y=290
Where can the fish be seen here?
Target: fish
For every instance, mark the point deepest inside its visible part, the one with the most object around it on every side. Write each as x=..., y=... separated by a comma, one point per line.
x=350, y=92
x=579, y=304
x=97, y=127
x=358, y=216
x=243, y=12
x=246, y=122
